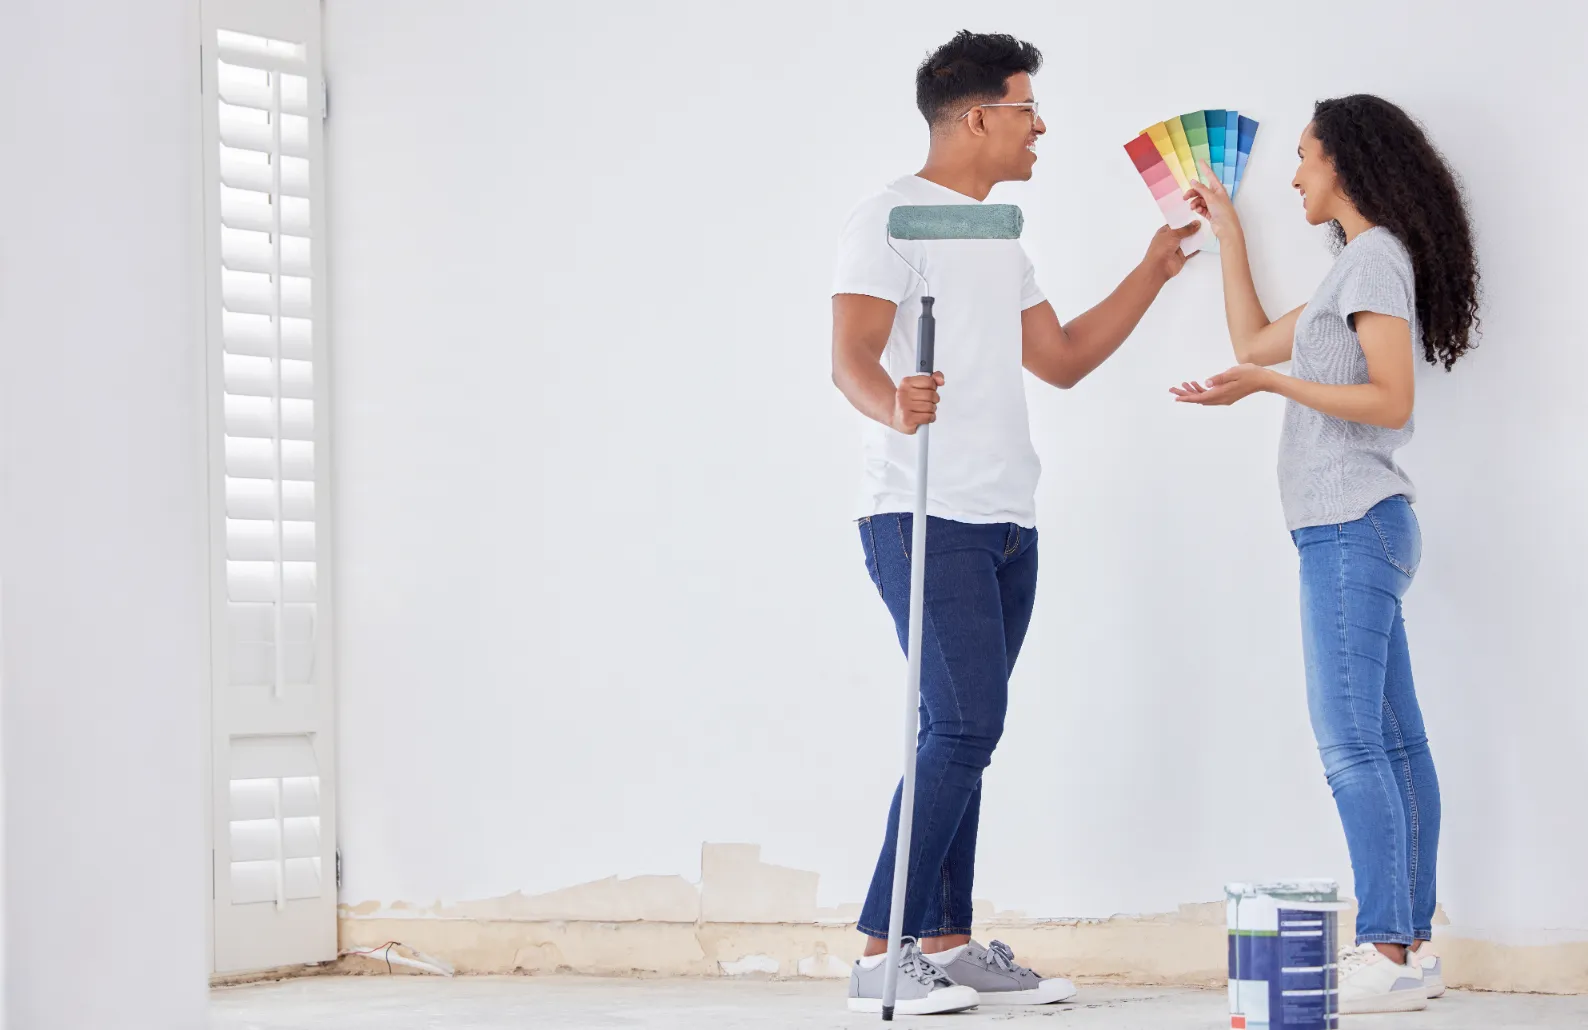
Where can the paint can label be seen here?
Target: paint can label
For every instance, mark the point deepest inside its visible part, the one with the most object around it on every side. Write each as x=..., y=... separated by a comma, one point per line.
x=1283, y=940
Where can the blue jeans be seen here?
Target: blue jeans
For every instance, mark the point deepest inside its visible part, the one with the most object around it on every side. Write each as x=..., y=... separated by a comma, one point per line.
x=1365, y=715
x=980, y=584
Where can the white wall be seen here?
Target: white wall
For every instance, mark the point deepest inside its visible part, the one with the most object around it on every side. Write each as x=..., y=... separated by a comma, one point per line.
x=102, y=541
x=598, y=597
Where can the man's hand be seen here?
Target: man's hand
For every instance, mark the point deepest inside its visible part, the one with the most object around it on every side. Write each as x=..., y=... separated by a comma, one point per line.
x=915, y=402
x=1226, y=387
x=1164, y=255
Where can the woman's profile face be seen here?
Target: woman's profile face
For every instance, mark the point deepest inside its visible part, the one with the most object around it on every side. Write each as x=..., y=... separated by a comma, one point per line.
x=1316, y=181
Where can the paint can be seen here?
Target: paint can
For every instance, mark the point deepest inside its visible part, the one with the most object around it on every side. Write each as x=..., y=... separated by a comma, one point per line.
x=1283, y=948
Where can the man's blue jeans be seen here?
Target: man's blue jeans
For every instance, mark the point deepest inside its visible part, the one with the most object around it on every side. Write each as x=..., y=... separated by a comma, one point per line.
x=980, y=584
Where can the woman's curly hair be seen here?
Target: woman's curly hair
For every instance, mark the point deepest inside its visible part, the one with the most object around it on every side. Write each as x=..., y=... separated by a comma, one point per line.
x=1393, y=175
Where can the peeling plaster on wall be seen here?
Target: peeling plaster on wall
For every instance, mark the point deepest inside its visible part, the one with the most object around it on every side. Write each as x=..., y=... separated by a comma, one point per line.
x=737, y=887
x=747, y=917
x=750, y=964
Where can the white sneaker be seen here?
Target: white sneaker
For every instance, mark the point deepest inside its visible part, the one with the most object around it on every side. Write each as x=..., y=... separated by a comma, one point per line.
x=1433, y=968
x=1371, y=982
x=923, y=990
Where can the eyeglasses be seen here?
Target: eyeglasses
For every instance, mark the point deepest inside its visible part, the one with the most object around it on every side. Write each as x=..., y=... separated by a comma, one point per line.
x=1029, y=104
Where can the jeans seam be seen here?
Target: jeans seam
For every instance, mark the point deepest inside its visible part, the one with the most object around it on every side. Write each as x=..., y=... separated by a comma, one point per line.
x=876, y=557
x=1385, y=938
x=944, y=900
x=931, y=808
x=1411, y=803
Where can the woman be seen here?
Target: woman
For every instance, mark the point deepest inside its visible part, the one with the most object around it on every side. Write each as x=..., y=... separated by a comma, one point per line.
x=1405, y=280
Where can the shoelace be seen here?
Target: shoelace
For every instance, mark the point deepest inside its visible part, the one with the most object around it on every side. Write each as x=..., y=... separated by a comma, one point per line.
x=1001, y=956
x=915, y=965
x=1355, y=958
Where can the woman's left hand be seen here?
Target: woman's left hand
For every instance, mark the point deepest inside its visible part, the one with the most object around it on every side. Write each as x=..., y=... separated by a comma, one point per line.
x=1226, y=387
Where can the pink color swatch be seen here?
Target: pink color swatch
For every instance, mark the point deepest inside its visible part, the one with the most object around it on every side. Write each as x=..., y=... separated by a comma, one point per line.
x=1167, y=192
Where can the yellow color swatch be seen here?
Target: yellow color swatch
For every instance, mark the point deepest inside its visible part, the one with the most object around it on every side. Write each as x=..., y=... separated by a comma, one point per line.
x=1182, y=148
x=1165, y=145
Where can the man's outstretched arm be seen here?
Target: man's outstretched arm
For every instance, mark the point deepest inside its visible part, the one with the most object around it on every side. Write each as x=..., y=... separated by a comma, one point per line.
x=1063, y=355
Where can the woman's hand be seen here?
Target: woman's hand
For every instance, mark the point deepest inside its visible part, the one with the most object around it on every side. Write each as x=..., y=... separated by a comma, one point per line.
x=1226, y=387
x=1212, y=203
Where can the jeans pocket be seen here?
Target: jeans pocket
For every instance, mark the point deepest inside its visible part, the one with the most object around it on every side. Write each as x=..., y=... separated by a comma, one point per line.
x=1398, y=532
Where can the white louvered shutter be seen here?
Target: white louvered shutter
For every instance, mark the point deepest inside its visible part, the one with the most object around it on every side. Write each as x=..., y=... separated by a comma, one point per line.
x=272, y=701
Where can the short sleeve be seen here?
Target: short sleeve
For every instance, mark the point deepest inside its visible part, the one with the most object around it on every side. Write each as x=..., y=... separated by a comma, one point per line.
x=866, y=264
x=1030, y=293
x=1381, y=281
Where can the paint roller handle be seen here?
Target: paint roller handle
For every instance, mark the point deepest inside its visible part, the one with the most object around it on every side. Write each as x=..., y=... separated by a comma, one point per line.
x=925, y=339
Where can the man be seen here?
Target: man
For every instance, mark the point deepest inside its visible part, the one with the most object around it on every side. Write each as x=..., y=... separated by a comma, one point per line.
x=981, y=565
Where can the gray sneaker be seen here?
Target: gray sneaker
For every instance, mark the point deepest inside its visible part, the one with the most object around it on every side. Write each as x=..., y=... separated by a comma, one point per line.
x=923, y=989
x=1000, y=980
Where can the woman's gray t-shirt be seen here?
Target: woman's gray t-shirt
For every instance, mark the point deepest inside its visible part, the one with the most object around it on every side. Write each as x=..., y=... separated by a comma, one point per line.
x=1331, y=470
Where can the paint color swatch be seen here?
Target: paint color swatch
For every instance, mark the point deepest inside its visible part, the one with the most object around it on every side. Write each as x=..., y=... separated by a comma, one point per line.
x=1159, y=134
x=1167, y=155
x=1232, y=136
x=1196, y=134
x=1182, y=148
x=1215, y=123
x=1246, y=134
x=1167, y=192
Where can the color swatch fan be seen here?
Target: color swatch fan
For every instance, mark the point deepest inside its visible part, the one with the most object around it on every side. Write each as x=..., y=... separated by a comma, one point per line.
x=1171, y=154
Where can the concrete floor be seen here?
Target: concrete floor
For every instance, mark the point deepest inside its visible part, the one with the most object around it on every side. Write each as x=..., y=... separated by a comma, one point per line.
x=593, y=1003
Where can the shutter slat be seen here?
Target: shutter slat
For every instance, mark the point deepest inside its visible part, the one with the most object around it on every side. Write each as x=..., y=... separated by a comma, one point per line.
x=300, y=836
x=256, y=138
x=300, y=797
x=297, y=502
x=254, y=840
x=254, y=335
x=255, y=377
x=240, y=174
x=248, y=51
x=251, y=251
x=255, y=416
x=255, y=459
x=254, y=215
x=303, y=878
x=241, y=86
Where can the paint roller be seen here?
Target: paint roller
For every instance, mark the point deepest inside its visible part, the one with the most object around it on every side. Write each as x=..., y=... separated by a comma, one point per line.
x=922, y=223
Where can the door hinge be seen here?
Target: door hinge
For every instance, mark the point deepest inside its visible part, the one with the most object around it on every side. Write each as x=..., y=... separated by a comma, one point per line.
x=338, y=868
x=325, y=100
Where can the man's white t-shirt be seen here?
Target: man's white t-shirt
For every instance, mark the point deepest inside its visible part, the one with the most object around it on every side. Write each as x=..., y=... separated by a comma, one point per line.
x=983, y=466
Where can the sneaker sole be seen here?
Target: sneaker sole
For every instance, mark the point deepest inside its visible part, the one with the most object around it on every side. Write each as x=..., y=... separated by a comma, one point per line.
x=1436, y=987
x=940, y=1002
x=1395, y=1001
x=1060, y=990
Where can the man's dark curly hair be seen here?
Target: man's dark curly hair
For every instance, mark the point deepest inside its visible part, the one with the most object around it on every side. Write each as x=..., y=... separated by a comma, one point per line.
x=1393, y=175
x=973, y=67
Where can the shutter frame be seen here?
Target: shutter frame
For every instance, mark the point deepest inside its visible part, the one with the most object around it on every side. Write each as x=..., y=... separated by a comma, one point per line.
x=273, y=769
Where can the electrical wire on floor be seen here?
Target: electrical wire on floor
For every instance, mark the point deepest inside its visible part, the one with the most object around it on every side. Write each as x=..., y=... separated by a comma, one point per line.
x=420, y=961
